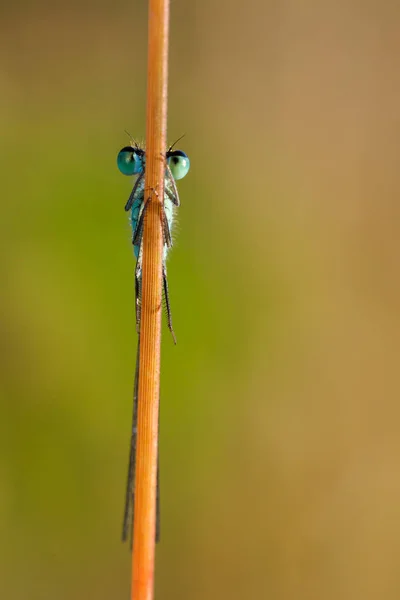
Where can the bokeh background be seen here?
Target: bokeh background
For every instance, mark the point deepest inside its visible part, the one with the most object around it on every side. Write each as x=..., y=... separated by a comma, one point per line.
x=280, y=409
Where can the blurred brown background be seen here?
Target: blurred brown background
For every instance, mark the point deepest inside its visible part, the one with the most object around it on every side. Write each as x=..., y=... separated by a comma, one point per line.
x=280, y=404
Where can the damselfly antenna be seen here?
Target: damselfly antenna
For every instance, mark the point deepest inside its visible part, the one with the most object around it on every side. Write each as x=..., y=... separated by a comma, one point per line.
x=176, y=141
x=132, y=140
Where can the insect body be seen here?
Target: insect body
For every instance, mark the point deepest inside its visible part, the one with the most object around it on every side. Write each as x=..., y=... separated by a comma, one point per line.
x=131, y=160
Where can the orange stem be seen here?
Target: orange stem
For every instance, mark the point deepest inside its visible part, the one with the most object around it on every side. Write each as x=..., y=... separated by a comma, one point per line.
x=150, y=328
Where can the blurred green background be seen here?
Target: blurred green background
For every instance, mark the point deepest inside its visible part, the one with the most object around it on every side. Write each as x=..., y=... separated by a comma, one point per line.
x=280, y=404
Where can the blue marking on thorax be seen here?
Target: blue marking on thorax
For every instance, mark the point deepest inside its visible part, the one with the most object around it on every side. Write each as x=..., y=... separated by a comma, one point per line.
x=135, y=214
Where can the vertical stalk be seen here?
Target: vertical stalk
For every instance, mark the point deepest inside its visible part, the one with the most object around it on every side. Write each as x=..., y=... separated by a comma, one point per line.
x=150, y=329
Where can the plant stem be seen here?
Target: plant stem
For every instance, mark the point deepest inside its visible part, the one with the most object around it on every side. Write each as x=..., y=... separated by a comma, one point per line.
x=150, y=327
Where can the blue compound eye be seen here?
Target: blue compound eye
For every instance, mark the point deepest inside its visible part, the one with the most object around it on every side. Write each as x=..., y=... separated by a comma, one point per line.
x=179, y=163
x=130, y=161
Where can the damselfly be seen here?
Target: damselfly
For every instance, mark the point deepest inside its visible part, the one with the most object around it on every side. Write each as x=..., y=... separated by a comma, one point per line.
x=131, y=160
